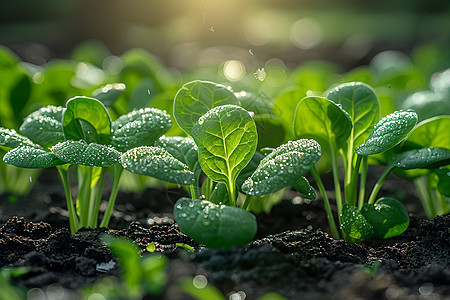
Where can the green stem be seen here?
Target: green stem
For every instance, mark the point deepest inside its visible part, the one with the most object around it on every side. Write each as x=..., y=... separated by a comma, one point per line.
x=192, y=192
x=431, y=198
x=247, y=201
x=379, y=182
x=326, y=202
x=422, y=191
x=93, y=212
x=85, y=196
x=112, y=197
x=232, y=193
x=337, y=185
x=442, y=203
x=362, y=182
x=73, y=219
x=350, y=196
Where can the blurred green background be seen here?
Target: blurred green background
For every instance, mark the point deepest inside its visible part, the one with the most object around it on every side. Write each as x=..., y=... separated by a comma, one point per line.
x=188, y=33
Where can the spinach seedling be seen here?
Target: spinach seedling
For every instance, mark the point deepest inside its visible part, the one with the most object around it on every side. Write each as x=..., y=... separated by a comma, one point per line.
x=346, y=125
x=83, y=135
x=226, y=138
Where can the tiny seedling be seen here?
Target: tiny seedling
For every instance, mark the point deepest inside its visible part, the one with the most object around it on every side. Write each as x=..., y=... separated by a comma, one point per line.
x=226, y=138
x=346, y=125
x=82, y=135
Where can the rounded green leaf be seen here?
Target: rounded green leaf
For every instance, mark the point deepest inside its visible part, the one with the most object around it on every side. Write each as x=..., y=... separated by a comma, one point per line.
x=249, y=168
x=9, y=138
x=226, y=138
x=443, y=185
x=430, y=133
x=271, y=132
x=215, y=226
x=44, y=126
x=140, y=128
x=422, y=158
x=86, y=119
x=182, y=148
x=354, y=223
x=388, y=132
x=109, y=93
x=156, y=162
x=323, y=120
x=360, y=102
x=82, y=153
x=388, y=217
x=196, y=98
x=259, y=104
x=304, y=188
x=283, y=167
x=30, y=157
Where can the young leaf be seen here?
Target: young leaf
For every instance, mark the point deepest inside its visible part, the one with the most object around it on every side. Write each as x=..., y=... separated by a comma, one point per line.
x=430, y=133
x=109, y=93
x=195, y=98
x=215, y=226
x=219, y=194
x=443, y=185
x=259, y=104
x=19, y=95
x=86, y=119
x=282, y=167
x=388, y=132
x=304, y=188
x=82, y=153
x=354, y=223
x=323, y=120
x=139, y=128
x=44, y=126
x=226, y=138
x=422, y=158
x=156, y=162
x=361, y=103
x=270, y=130
x=31, y=157
x=387, y=216
x=249, y=168
x=182, y=148
x=9, y=138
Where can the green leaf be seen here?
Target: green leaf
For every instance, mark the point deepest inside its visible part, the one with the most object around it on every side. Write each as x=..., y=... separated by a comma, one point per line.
x=196, y=98
x=430, y=133
x=182, y=148
x=219, y=194
x=361, y=103
x=354, y=223
x=140, y=128
x=82, y=153
x=443, y=185
x=283, y=167
x=86, y=119
x=422, y=158
x=249, y=168
x=31, y=157
x=284, y=107
x=44, y=126
x=156, y=162
x=388, y=132
x=226, y=138
x=259, y=104
x=304, y=188
x=323, y=120
x=142, y=93
x=19, y=95
x=109, y=93
x=9, y=138
x=200, y=292
x=271, y=132
x=388, y=217
x=215, y=226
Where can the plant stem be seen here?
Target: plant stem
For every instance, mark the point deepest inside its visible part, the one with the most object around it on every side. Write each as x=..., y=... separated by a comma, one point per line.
x=326, y=202
x=232, y=193
x=73, y=219
x=192, y=192
x=350, y=195
x=362, y=182
x=337, y=185
x=247, y=201
x=93, y=212
x=112, y=197
x=84, y=196
x=421, y=189
x=431, y=198
x=379, y=182
x=442, y=203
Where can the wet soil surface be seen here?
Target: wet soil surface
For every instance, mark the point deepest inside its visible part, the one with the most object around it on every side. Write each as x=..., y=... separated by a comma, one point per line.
x=292, y=254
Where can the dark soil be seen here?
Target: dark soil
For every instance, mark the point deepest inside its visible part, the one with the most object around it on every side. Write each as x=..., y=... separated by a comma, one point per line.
x=292, y=254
